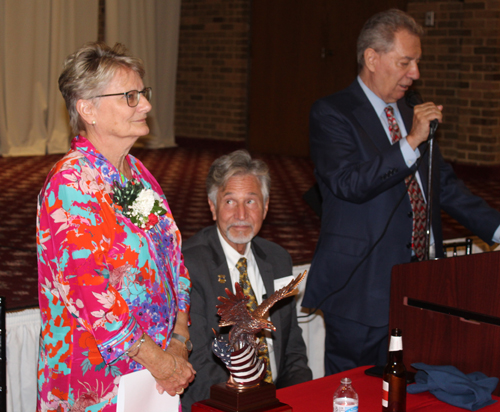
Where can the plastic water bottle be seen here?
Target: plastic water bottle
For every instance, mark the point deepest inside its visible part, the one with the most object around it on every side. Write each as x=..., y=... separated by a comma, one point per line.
x=345, y=398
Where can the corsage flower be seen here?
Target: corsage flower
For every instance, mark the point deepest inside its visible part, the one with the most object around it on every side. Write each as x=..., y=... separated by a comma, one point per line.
x=142, y=206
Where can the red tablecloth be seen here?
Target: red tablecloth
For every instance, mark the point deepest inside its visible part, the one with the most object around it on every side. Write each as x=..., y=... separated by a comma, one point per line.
x=317, y=395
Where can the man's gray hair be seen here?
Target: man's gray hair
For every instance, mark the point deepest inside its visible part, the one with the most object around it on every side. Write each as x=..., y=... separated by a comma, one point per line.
x=88, y=71
x=378, y=32
x=238, y=163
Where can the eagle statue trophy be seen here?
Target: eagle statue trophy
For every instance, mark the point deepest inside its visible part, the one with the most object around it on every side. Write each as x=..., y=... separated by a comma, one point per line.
x=240, y=352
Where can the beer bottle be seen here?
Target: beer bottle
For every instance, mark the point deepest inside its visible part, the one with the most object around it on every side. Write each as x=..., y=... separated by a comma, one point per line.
x=394, y=377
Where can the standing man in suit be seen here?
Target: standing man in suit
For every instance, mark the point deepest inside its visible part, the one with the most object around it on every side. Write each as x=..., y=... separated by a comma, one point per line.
x=368, y=146
x=238, y=195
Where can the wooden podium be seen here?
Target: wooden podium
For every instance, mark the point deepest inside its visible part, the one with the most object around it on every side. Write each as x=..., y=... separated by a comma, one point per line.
x=449, y=312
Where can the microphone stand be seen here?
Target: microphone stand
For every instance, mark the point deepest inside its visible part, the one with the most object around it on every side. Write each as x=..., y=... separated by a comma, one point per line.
x=430, y=139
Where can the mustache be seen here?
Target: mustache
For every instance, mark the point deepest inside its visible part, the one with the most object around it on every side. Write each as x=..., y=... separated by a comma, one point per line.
x=240, y=223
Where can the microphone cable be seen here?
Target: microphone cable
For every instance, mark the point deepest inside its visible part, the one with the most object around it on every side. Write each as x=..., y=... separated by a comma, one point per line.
x=418, y=163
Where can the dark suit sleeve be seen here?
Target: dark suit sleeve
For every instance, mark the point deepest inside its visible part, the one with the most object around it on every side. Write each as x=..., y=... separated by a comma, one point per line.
x=352, y=163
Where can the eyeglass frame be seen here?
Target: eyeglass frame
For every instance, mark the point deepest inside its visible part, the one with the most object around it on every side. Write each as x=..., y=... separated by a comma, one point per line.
x=126, y=94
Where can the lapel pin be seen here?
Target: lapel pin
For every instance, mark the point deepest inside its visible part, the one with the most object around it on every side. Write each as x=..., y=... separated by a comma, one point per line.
x=222, y=278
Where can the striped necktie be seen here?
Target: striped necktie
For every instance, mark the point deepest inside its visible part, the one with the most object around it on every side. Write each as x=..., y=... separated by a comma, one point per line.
x=414, y=192
x=252, y=305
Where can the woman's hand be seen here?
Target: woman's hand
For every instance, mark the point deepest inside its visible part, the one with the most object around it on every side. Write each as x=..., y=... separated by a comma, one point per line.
x=172, y=372
x=180, y=374
x=183, y=371
x=176, y=347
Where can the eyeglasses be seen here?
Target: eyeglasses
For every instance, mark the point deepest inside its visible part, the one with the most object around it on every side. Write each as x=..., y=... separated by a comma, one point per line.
x=133, y=96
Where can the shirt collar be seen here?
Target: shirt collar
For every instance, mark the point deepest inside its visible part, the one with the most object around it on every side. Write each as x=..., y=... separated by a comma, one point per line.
x=378, y=104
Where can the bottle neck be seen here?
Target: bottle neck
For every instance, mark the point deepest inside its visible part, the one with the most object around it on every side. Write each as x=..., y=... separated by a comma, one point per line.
x=396, y=356
x=396, y=349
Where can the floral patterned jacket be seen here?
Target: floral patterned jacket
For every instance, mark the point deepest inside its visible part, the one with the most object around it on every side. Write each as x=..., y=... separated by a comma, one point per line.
x=103, y=281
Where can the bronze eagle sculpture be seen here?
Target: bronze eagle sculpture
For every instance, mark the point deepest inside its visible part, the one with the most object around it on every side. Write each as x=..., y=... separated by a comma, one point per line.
x=234, y=312
x=240, y=353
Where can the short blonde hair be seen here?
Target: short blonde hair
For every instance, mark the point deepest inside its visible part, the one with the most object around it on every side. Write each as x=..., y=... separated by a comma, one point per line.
x=89, y=70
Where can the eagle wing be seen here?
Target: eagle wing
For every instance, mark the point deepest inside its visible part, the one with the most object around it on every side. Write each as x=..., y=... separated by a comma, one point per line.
x=233, y=309
x=282, y=293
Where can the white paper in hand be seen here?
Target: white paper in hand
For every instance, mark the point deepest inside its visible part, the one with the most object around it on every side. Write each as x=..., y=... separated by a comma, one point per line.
x=137, y=392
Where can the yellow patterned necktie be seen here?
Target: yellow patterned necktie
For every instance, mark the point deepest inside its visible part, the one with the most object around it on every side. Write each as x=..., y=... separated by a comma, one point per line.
x=252, y=305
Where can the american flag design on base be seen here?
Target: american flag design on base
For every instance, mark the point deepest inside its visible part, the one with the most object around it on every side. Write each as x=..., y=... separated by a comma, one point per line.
x=245, y=367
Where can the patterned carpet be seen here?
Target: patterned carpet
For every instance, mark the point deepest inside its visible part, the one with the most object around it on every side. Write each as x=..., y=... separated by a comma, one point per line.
x=181, y=172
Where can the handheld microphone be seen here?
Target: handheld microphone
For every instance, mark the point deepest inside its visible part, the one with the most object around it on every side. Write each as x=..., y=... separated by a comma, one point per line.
x=413, y=98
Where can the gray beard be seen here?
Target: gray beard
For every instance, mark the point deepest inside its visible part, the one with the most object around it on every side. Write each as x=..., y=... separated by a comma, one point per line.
x=241, y=239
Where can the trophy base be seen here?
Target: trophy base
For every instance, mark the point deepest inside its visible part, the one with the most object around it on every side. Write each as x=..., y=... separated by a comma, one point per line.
x=261, y=398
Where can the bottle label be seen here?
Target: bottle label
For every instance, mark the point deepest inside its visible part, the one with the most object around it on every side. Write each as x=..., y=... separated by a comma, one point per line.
x=345, y=405
x=341, y=408
x=385, y=394
x=396, y=344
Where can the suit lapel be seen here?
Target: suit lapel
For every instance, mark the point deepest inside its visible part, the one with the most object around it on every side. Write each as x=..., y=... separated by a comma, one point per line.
x=219, y=277
x=368, y=119
x=370, y=123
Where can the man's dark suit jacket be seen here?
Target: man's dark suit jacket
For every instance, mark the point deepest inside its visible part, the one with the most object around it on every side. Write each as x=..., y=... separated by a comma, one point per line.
x=206, y=262
x=361, y=179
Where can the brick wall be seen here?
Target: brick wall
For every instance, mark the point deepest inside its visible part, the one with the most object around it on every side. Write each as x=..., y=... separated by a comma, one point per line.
x=212, y=74
x=461, y=70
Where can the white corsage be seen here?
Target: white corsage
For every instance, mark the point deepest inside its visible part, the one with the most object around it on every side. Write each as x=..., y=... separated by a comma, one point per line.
x=142, y=206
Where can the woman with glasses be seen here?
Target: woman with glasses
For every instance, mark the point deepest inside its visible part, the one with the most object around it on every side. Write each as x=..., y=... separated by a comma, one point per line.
x=113, y=289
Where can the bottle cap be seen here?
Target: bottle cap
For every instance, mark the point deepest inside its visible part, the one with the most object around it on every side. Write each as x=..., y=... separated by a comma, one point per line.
x=397, y=332
x=396, y=342
x=345, y=381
